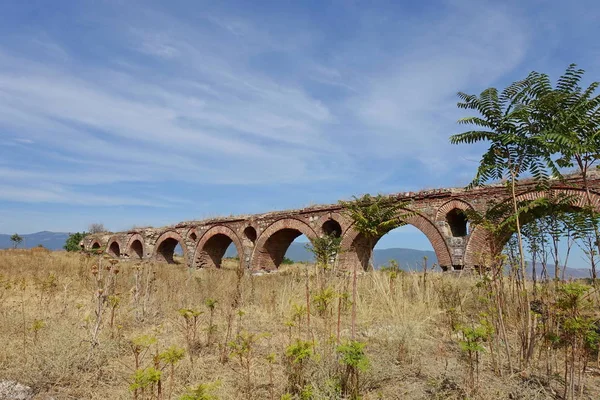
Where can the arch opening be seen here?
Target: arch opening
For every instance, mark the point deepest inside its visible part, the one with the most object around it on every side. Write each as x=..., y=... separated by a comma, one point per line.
x=136, y=250
x=214, y=250
x=278, y=249
x=404, y=247
x=250, y=233
x=332, y=227
x=558, y=243
x=567, y=204
x=193, y=236
x=95, y=246
x=114, y=249
x=356, y=248
x=167, y=249
x=458, y=223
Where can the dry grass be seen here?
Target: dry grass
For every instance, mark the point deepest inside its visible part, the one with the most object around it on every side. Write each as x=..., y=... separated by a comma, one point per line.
x=47, y=319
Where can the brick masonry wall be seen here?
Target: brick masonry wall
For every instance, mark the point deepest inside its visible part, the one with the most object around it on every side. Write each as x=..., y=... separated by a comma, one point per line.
x=204, y=242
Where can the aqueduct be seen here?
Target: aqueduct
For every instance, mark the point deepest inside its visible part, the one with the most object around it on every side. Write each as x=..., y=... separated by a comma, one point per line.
x=262, y=240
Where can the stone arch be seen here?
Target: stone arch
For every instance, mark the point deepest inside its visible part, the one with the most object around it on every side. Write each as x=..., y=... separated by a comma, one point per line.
x=193, y=235
x=274, y=241
x=164, y=248
x=333, y=219
x=250, y=233
x=95, y=245
x=353, y=246
x=478, y=245
x=450, y=205
x=135, y=246
x=114, y=247
x=212, y=246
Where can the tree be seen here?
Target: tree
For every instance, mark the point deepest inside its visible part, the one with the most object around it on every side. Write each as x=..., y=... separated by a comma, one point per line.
x=96, y=228
x=373, y=216
x=511, y=123
x=16, y=239
x=571, y=121
x=325, y=249
x=72, y=243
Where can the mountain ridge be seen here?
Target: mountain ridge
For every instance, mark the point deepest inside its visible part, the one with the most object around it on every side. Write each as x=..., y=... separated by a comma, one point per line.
x=408, y=259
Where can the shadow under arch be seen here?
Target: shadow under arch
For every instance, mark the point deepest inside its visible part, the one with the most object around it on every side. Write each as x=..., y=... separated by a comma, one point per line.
x=354, y=247
x=114, y=247
x=212, y=246
x=135, y=246
x=164, y=249
x=480, y=248
x=274, y=241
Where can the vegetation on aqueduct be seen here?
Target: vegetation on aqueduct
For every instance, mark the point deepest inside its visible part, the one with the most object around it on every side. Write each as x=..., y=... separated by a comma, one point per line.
x=83, y=325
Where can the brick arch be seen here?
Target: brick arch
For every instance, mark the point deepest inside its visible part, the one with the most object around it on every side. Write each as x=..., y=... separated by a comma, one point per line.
x=114, y=247
x=134, y=250
x=95, y=244
x=341, y=219
x=212, y=245
x=165, y=247
x=274, y=241
x=353, y=245
x=445, y=208
x=478, y=245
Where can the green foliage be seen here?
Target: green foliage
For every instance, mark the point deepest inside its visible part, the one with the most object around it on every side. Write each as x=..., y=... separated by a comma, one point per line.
x=203, y=391
x=323, y=300
x=374, y=216
x=505, y=121
x=571, y=116
x=211, y=304
x=72, y=243
x=143, y=341
x=172, y=355
x=325, y=249
x=354, y=360
x=16, y=239
x=143, y=378
x=473, y=336
x=287, y=261
x=352, y=354
x=299, y=352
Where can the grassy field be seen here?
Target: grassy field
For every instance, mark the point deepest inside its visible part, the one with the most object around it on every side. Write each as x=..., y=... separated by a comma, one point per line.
x=75, y=326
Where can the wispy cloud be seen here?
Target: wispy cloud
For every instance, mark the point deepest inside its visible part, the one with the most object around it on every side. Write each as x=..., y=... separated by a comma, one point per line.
x=203, y=104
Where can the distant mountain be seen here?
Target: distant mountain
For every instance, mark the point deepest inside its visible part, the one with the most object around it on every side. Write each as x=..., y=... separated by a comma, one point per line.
x=412, y=260
x=408, y=259
x=50, y=240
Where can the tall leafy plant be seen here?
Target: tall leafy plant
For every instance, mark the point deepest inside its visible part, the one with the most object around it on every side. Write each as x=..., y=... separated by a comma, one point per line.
x=516, y=149
x=373, y=216
x=570, y=117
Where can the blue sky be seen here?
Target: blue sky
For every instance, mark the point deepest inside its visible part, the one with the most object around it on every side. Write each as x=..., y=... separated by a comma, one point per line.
x=151, y=112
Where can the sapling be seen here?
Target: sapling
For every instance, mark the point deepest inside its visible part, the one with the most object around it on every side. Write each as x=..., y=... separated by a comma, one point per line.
x=143, y=379
x=354, y=359
x=242, y=350
x=212, y=305
x=203, y=391
x=170, y=357
x=471, y=343
x=190, y=317
x=297, y=355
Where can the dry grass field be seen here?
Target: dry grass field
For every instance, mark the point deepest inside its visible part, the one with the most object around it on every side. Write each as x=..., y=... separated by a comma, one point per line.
x=75, y=326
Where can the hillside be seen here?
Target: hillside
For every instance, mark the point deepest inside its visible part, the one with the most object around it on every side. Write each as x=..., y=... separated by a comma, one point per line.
x=50, y=240
x=408, y=259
